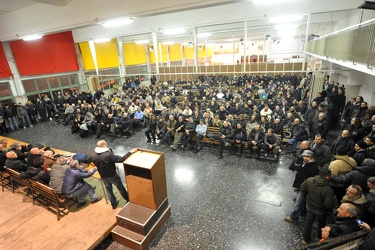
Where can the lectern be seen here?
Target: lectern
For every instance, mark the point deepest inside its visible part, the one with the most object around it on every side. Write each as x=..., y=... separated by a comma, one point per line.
x=148, y=208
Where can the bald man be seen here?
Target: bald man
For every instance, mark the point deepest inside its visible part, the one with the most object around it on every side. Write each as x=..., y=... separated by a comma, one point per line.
x=33, y=154
x=105, y=160
x=14, y=163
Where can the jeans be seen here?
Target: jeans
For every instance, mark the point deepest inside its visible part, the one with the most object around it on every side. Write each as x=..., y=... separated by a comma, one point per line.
x=167, y=137
x=311, y=214
x=298, y=205
x=198, y=140
x=25, y=121
x=13, y=123
x=81, y=193
x=115, y=180
x=293, y=142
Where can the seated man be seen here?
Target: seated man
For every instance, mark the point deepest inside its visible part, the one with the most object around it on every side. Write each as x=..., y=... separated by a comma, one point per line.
x=256, y=139
x=75, y=186
x=298, y=132
x=161, y=127
x=189, y=131
x=57, y=174
x=126, y=125
x=271, y=143
x=200, y=134
x=239, y=136
x=138, y=118
x=179, y=132
x=170, y=129
x=354, y=195
x=14, y=163
x=151, y=130
x=224, y=136
x=346, y=218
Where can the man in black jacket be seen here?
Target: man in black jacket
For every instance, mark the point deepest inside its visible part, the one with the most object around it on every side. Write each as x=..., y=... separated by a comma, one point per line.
x=224, y=136
x=105, y=160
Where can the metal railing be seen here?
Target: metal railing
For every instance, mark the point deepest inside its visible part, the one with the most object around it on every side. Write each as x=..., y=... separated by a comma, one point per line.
x=354, y=44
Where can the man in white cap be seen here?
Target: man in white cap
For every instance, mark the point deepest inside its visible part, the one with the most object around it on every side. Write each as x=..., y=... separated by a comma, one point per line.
x=308, y=169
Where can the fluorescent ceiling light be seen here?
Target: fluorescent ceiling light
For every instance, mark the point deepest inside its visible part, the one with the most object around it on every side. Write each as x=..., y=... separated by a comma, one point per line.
x=32, y=37
x=286, y=26
x=142, y=42
x=102, y=40
x=285, y=19
x=168, y=43
x=117, y=22
x=202, y=35
x=175, y=31
x=265, y=2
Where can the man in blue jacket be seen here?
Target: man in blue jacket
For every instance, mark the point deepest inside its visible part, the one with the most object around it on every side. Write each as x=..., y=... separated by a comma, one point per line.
x=75, y=186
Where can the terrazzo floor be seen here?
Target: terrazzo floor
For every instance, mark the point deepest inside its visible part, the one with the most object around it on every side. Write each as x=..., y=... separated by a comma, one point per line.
x=233, y=203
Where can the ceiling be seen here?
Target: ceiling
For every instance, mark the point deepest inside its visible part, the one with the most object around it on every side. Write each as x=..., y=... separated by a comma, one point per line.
x=225, y=19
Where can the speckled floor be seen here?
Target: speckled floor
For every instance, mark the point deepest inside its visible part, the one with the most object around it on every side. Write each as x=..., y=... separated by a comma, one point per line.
x=231, y=203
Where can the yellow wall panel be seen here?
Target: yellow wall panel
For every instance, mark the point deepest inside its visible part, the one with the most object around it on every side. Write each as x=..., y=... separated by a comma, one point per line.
x=201, y=51
x=188, y=52
x=107, y=54
x=163, y=58
x=175, y=52
x=134, y=54
x=151, y=54
x=88, y=62
x=209, y=51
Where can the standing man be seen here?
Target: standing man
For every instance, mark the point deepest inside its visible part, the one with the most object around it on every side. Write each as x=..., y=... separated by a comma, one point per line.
x=104, y=159
x=319, y=201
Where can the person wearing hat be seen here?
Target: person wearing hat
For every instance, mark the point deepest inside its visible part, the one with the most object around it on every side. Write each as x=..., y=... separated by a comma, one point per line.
x=341, y=165
x=308, y=169
x=319, y=202
x=360, y=152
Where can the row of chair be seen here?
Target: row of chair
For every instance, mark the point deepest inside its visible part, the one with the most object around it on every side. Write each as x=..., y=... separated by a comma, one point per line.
x=38, y=190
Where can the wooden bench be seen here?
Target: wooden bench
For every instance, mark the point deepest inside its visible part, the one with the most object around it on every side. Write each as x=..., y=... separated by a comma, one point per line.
x=41, y=190
x=15, y=177
x=5, y=179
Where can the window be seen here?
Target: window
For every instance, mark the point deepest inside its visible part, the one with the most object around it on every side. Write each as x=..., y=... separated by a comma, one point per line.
x=5, y=89
x=64, y=80
x=42, y=83
x=53, y=82
x=29, y=85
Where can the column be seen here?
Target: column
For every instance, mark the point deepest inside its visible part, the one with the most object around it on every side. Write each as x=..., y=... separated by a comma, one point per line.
x=155, y=43
x=244, y=46
x=195, y=42
x=120, y=49
x=15, y=82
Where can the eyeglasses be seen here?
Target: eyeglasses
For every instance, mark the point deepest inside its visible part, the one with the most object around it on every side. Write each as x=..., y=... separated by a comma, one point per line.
x=350, y=192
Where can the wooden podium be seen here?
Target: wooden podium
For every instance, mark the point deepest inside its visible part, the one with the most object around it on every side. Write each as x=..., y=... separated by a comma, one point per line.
x=148, y=208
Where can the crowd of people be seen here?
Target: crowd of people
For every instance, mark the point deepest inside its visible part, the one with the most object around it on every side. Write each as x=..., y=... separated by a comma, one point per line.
x=250, y=111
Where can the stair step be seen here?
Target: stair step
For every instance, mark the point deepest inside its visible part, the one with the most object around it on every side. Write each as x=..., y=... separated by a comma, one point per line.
x=138, y=218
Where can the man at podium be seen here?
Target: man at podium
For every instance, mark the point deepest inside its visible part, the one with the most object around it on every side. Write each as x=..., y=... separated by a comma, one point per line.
x=105, y=160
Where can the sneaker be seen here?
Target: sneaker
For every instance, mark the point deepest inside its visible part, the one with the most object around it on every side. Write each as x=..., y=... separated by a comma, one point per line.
x=114, y=206
x=288, y=219
x=157, y=141
x=81, y=204
x=226, y=144
x=96, y=200
x=304, y=242
x=31, y=126
x=50, y=119
x=148, y=141
x=24, y=127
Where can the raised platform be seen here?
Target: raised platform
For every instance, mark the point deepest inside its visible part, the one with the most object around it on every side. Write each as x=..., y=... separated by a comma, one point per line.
x=24, y=225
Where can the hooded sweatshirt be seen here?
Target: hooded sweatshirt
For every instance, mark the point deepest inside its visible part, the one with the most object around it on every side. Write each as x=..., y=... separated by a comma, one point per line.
x=318, y=193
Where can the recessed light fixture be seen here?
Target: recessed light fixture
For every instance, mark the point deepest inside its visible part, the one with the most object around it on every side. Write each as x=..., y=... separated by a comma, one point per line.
x=102, y=40
x=175, y=31
x=203, y=35
x=142, y=42
x=117, y=22
x=32, y=37
x=285, y=19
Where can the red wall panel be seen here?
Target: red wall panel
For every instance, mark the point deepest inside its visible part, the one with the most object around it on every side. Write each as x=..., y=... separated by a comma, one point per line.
x=5, y=71
x=51, y=54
